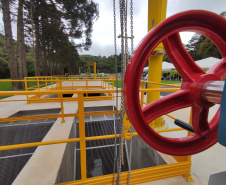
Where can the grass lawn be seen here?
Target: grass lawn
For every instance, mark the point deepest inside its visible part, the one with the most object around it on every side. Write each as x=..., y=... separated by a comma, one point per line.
x=163, y=81
x=170, y=82
x=7, y=86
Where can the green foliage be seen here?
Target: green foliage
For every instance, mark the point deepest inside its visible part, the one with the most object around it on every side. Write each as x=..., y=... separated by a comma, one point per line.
x=171, y=82
x=4, y=67
x=30, y=65
x=104, y=64
x=5, y=86
x=200, y=47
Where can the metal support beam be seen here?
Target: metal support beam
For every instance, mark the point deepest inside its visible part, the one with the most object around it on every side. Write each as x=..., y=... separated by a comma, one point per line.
x=81, y=118
x=156, y=14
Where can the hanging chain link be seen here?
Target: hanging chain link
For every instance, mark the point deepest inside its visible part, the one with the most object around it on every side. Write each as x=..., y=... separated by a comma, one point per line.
x=126, y=35
x=131, y=130
x=131, y=24
x=124, y=61
x=116, y=115
x=119, y=164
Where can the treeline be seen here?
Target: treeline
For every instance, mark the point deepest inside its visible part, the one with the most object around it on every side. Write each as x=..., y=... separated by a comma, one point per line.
x=4, y=67
x=200, y=47
x=54, y=31
x=103, y=64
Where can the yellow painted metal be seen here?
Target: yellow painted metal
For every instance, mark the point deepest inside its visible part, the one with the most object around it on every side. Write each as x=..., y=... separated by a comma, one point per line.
x=156, y=14
x=27, y=145
x=127, y=125
x=26, y=86
x=94, y=67
x=62, y=105
x=139, y=176
x=82, y=136
x=164, y=84
x=171, y=116
x=94, y=70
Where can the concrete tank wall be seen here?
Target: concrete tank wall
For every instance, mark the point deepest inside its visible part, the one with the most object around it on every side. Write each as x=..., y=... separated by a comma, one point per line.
x=66, y=171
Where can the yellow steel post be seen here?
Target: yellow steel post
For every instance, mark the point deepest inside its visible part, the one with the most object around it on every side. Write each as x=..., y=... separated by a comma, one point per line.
x=38, y=86
x=82, y=135
x=113, y=83
x=46, y=82
x=86, y=88
x=72, y=83
x=105, y=85
x=188, y=176
x=52, y=81
x=156, y=14
x=61, y=104
x=25, y=85
x=108, y=83
x=94, y=70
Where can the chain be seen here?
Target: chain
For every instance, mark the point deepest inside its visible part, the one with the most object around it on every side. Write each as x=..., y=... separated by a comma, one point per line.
x=119, y=164
x=130, y=157
x=131, y=130
x=116, y=115
x=131, y=24
x=126, y=36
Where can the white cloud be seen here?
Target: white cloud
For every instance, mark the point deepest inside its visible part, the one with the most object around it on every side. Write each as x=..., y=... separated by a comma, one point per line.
x=103, y=35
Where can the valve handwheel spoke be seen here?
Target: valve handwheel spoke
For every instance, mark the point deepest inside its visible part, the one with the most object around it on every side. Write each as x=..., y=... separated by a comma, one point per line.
x=218, y=69
x=200, y=120
x=206, y=23
x=181, y=59
x=177, y=100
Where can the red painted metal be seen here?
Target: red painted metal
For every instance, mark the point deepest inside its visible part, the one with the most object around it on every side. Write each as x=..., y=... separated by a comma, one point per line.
x=206, y=23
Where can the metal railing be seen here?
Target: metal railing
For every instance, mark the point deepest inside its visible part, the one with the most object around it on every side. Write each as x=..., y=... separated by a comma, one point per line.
x=137, y=176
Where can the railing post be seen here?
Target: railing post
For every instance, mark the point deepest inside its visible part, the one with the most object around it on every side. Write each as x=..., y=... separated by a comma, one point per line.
x=46, y=82
x=113, y=83
x=82, y=135
x=52, y=82
x=104, y=82
x=113, y=86
x=25, y=85
x=108, y=84
x=86, y=88
x=62, y=104
x=38, y=86
x=72, y=82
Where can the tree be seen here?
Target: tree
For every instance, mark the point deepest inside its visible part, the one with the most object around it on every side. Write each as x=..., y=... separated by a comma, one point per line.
x=9, y=43
x=58, y=22
x=21, y=50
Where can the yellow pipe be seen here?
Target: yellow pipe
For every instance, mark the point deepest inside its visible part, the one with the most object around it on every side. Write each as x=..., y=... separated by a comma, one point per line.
x=170, y=85
x=82, y=136
x=94, y=70
x=156, y=14
x=139, y=176
x=27, y=145
x=171, y=116
x=10, y=93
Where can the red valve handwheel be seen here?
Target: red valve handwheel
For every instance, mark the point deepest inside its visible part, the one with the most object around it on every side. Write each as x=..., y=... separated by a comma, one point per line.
x=206, y=23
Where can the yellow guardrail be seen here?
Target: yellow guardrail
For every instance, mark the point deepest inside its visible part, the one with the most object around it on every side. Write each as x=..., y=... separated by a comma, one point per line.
x=182, y=169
